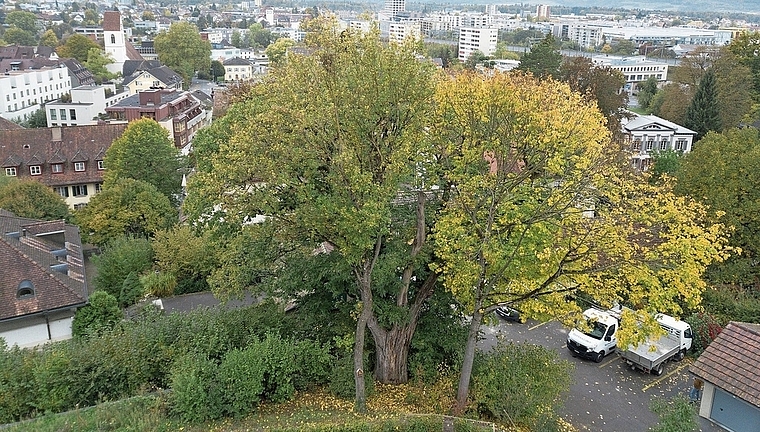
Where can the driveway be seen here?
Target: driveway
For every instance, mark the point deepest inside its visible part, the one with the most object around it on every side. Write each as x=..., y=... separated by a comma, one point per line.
x=606, y=396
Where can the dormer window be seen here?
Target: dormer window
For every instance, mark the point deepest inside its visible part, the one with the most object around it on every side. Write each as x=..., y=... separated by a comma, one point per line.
x=101, y=166
x=57, y=168
x=35, y=170
x=79, y=166
x=25, y=290
x=10, y=171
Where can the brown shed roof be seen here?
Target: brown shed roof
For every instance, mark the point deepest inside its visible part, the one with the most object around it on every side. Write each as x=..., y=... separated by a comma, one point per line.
x=732, y=361
x=29, y=250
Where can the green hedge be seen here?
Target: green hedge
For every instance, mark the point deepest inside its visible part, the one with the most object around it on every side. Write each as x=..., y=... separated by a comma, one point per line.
x=138, y=356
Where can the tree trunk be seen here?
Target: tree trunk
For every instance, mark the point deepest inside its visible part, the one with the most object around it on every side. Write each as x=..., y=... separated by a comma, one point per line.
x=360, y=402
x=469, y=358
x=392, y=346
x=392, y=353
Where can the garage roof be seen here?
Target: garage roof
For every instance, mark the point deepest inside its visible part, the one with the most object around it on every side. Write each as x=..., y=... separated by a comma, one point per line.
x=732, y=361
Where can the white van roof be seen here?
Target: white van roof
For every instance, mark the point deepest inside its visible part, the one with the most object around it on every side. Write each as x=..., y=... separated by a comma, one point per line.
x=671, y=322
x=600, y=316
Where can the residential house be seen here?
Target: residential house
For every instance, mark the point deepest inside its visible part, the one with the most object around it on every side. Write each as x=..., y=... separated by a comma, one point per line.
x=648, y=134
x=730, y=370
x=43, y=282
x=237, y=69
x=69, y=160
x=179, y=112
x=160, y=77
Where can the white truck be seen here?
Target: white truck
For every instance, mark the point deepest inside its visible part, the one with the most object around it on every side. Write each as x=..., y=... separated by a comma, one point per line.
x=601, y=337
x=652, y=355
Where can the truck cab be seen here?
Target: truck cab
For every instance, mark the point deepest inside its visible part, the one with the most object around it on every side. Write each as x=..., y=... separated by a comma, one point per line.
x=599, y=340
x=680, y=329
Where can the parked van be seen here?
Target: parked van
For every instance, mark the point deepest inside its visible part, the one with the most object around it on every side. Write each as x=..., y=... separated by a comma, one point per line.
x=599, y=340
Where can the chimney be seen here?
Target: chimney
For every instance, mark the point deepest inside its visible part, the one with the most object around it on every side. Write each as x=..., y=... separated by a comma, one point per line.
x=150, y=97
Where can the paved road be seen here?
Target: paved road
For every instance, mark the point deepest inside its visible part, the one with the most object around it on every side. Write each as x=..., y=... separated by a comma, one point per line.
x=606, y=396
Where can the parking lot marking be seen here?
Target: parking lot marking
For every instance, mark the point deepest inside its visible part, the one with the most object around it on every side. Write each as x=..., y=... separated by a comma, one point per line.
x=660, y=379
x=538, y=325
x=609, y=362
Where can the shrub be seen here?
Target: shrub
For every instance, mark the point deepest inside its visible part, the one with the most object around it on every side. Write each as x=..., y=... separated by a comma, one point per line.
x=429, y=352
x=131, y=290
x=342, y=382
x=17, y=391
x=159, y=284
x=522, y=383
x=99, y=316
x=675, y=415
x=313, y=364
x=118, y=259
x=705, y=328
x=241, y=376
x=197, y=395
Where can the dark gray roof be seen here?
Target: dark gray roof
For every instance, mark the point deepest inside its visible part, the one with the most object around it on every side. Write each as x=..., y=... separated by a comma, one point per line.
x=168, y=77
x=134, y=100
x=131, y=66
x=236, y=61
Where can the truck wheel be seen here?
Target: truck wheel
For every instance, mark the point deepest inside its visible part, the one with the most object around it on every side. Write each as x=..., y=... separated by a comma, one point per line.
x=599, y=357
x=681, y=354
x=658, y=370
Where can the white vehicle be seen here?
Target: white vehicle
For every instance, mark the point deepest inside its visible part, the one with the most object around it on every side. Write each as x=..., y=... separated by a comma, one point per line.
x=600, y=340
x=651, y=355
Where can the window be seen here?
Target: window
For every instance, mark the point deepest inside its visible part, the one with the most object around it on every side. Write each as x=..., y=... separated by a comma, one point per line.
x=79, y=166
x=11, y=171
x=72, y=114
x=25, y=289
x=57, y=168
x=636, y=145
x=79, y=190
x=79, y=206
x=62, y=191
x=63, y=113
x=35, y=170
x=98, y=187
x=113, y=39
x=650, y=145
x=100, y=165
x=681, y=145
x=664, y=145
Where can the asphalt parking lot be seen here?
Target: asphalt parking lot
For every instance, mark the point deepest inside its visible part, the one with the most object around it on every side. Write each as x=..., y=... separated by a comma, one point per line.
x=606, y=396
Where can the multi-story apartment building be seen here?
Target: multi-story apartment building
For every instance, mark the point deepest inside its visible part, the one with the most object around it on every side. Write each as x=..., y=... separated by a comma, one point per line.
x=24, y=86
x=69, y=160
x=179, y=112
x=473, y=39
x=87, y=104
x=438, y=24
x=400, y=31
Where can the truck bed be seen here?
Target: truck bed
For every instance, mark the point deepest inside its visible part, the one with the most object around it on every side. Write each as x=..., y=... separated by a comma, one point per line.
x=652, y=352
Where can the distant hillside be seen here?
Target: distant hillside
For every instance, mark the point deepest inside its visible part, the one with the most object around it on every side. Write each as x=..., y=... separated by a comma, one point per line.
x=741, y=6
x=713, y=6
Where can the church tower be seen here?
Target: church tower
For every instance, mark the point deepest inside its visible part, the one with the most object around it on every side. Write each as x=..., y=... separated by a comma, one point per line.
x=114, y=40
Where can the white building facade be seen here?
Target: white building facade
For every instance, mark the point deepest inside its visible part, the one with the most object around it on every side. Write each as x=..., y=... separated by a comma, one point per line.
x=648, y=134
x=87, y=103
x=473, y=39
x=22, y=92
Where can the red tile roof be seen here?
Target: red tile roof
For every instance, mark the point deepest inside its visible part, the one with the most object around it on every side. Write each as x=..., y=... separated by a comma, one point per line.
x=23, y=148
x=732, y=362
x=7, y=124
x=111, y=21
x=27, y=256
